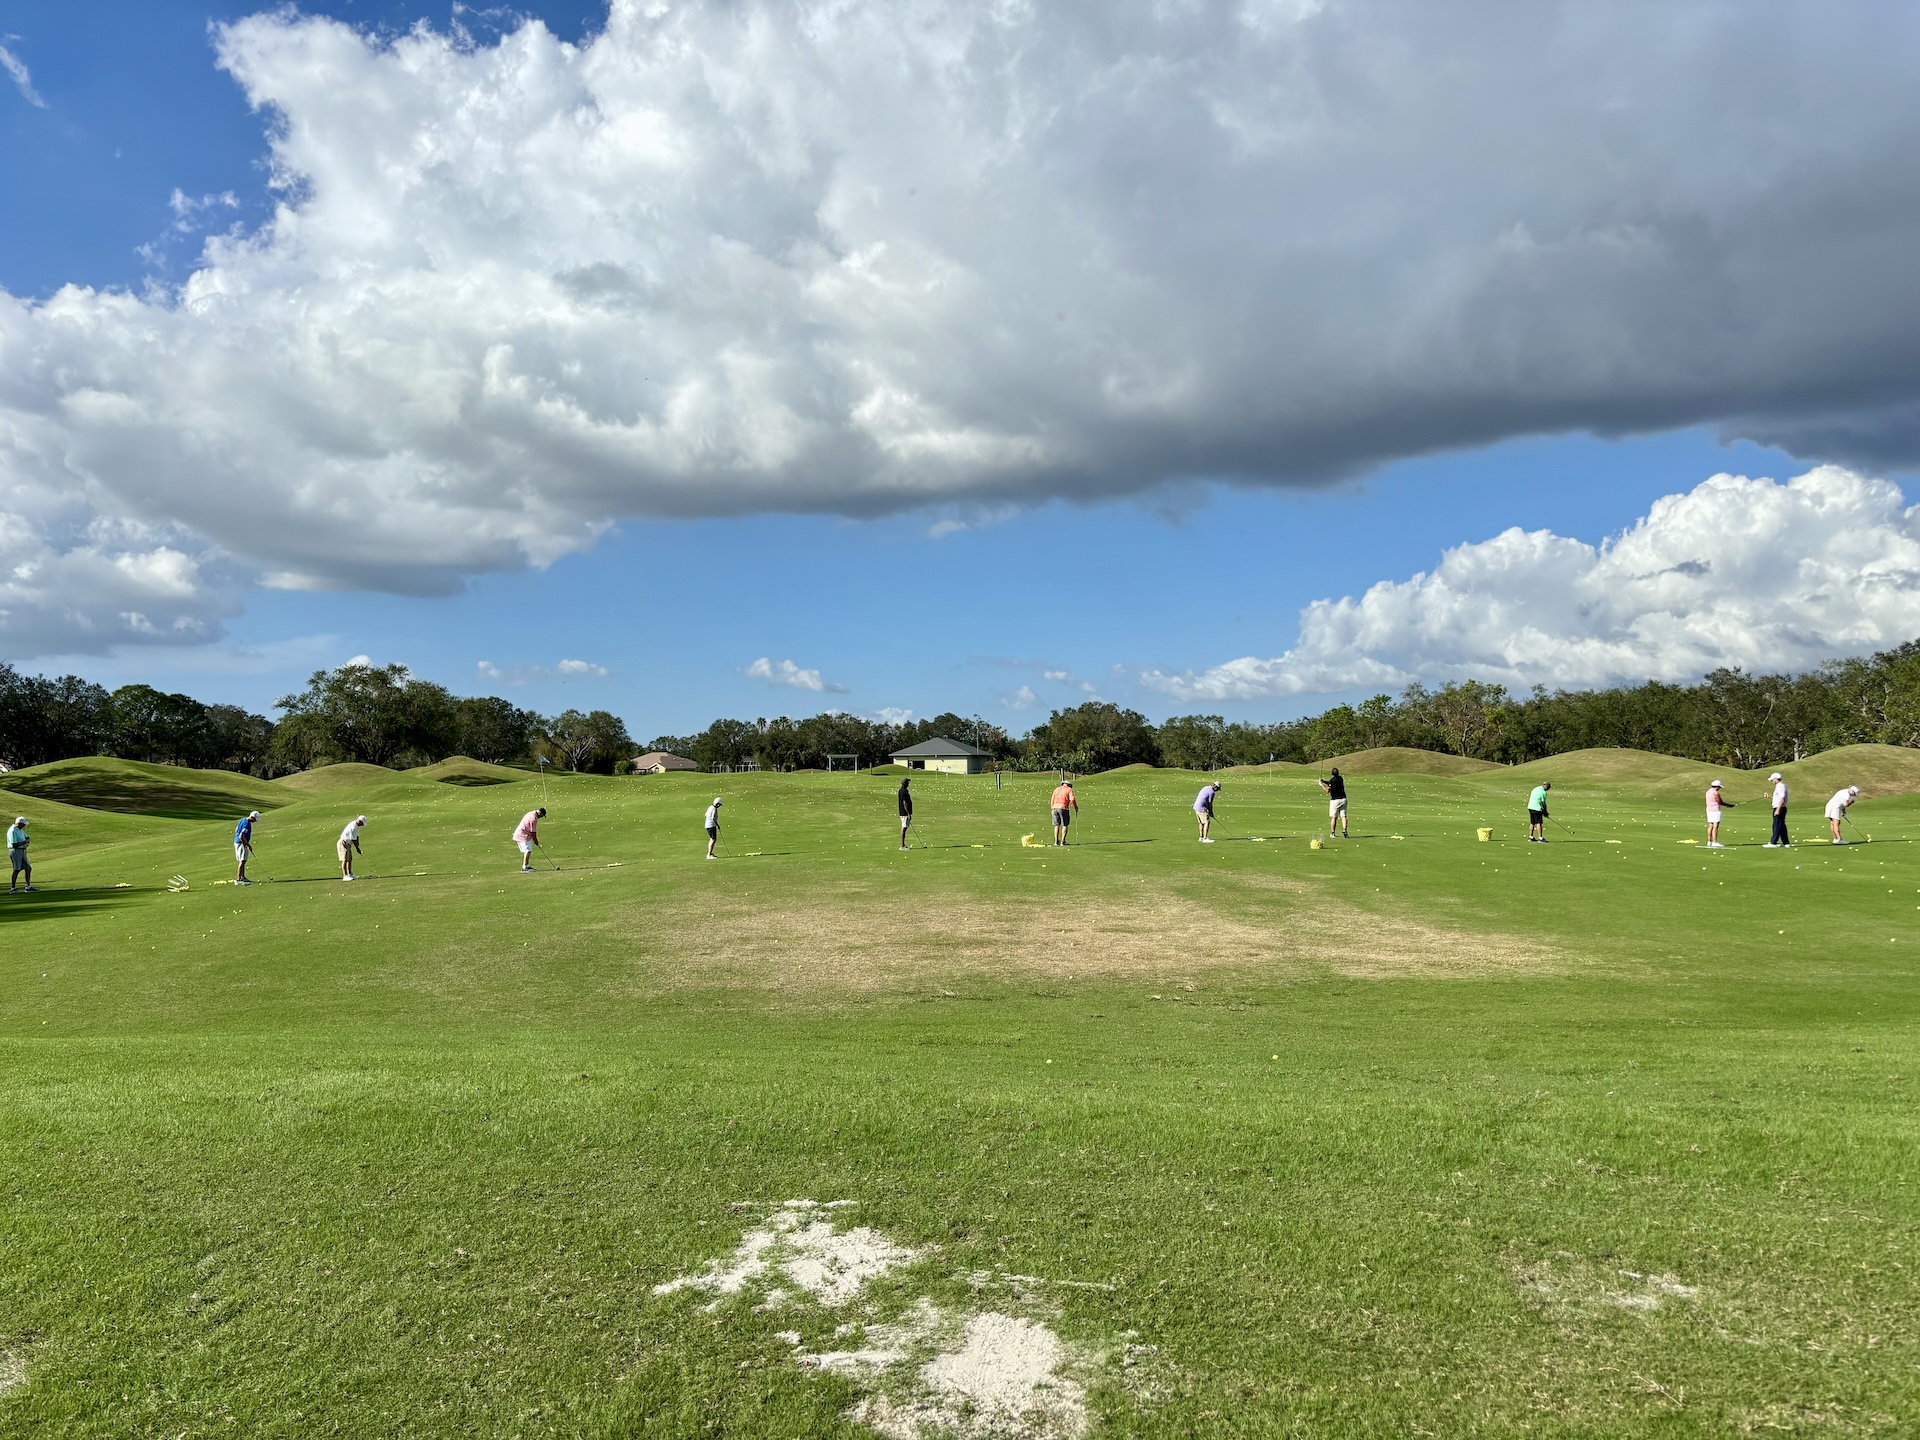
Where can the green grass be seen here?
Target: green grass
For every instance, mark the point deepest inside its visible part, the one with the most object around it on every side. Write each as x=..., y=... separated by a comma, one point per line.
x=1361, y=1139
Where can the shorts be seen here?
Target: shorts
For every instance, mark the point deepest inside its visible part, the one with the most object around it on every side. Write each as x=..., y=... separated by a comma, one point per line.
x=240, y=852
x=1537, y=817
x=1713, y=817
x=1834, y=812
x=1336, y=809
x=1063, y=817
x=713, y=832
x=18, y=855
x=344, y=850
x=905, y=820
x=526, y=846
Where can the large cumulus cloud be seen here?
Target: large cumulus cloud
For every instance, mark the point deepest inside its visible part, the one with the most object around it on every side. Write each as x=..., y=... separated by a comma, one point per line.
x=1737, y=571
x=857, y=257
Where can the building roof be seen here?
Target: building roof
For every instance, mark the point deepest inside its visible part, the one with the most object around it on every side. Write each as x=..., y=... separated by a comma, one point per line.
x=662, y=757
x=940, y=748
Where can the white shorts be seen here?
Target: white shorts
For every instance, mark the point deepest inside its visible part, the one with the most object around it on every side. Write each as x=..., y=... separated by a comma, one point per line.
x=240, y=853
x=1834, y=812
x=526, y=846
x=1336, y=808
x=1713, y=817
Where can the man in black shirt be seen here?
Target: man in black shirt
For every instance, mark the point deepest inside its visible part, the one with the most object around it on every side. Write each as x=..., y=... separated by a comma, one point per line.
x=906, y=813
x=1336, y=789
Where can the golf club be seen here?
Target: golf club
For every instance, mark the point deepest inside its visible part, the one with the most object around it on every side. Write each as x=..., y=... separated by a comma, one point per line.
x=1563, y=827
x=544, y=855
x=1856, y=829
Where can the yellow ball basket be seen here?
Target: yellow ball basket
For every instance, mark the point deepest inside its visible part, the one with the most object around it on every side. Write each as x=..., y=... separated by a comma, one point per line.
x=1485, y=832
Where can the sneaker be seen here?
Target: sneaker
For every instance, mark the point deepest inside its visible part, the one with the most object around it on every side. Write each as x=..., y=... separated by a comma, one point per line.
x=27, y=891
x=349, y=877
x=1204, y=840
x=1842, y=842
x=1771, y=845
x=526, y=869
x=1715, y=845
x=243, y=882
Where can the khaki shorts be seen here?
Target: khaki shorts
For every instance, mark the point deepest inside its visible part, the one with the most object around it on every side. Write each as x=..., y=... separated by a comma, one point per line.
x=1336, y=809
x=344, y=850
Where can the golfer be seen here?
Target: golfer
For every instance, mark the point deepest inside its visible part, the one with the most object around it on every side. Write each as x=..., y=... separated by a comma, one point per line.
x=1714, y=801
x=1336, y=789
x=348, y=846
x=1778, y=840
x=713, y=827
x=1837, y=810
x=17, y=853
x=1537, y=813
x=243, y=847
x=906, y=813
x=1063, y=807
x=527, y=835
x=1203, y=807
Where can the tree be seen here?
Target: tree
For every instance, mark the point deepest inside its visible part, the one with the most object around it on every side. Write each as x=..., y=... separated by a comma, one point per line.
x=375, y=714
x=724, y=742
x=1193, y=742
x=1095, y=736
x=488, y=728
x=593, y=741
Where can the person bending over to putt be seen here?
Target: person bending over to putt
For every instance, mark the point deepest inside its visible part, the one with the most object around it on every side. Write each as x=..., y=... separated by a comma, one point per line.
x=527, y=835
x=906, y=812
x=1203, y=808
x=1537, y=813
x=1714, y=801
x=17, y=853
x=1336, y=789
x=1063, y=807
x=349, y=846
x=1837, y=810
x=713, y=827
x=243, y=847
x=1778, y=840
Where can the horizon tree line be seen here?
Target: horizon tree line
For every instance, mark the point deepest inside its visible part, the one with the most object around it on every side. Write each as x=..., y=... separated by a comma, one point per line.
x=385, y=715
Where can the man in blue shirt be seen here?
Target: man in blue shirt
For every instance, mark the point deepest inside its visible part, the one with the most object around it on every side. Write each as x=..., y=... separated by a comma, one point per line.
x=243, y=847
x=17, y=853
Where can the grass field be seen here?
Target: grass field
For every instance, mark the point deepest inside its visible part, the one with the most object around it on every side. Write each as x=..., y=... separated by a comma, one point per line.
x=1408, y=1135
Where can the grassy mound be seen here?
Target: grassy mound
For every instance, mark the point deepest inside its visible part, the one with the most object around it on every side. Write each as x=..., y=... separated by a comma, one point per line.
x=350, y=775
x=1876, y=769
x=1640, y=768
x=459, y=770
x=132, y=787
x=1399, y=760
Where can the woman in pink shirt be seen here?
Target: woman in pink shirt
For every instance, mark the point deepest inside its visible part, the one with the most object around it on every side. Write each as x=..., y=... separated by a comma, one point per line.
x=527, y=835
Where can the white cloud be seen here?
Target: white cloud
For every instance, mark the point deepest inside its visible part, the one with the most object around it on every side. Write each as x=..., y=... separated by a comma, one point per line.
x=725, y=258
x=785, y=672
x=360, y=662
x=17, y=71
x=893, y=715
x=1020, y=699
x=521, y=674
x=1738, y=572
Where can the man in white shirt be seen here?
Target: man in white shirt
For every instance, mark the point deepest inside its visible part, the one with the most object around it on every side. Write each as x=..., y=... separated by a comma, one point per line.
x=713, y=827
x=348, y=846
x=1778, y=840
x=1837, y=810
x=1714, y=802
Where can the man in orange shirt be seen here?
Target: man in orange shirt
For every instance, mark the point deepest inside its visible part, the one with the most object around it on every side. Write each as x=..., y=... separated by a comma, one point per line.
x=1063, y=807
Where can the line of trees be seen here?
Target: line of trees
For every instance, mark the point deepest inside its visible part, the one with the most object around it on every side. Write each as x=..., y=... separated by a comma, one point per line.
x=375, y=714
x=384, y=715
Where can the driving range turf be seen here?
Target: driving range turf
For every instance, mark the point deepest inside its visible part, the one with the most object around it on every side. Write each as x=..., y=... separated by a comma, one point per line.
x=1409, y=1135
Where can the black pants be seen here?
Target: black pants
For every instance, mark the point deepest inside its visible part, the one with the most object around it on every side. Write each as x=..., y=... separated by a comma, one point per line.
x=1780, y=826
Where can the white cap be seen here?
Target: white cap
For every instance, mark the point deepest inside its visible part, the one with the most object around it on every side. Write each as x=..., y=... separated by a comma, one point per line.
x=1853, y=789
x=360, y=820
x=19, y=819
x=1714, y=785
x=253, y=815
x=1774, y=776
x=716, y=799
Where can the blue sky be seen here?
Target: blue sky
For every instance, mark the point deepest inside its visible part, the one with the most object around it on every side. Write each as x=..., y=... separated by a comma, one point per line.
x=1013, y=590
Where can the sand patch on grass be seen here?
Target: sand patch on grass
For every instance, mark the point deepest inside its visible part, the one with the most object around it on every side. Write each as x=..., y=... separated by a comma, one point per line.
x=855, y=938
x=13, y=1371
x=930, y=1371
x=1567, y=1283
x=799, y=1244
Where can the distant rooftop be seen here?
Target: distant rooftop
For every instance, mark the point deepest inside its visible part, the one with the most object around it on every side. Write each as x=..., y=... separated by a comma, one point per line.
x=940, y=748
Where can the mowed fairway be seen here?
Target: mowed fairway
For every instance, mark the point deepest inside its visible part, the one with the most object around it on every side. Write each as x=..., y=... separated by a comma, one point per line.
x=1411, y=1135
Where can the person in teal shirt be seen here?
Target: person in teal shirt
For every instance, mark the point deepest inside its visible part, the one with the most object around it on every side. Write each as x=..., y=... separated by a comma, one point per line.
x=17, y=853
x=1537, y=813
